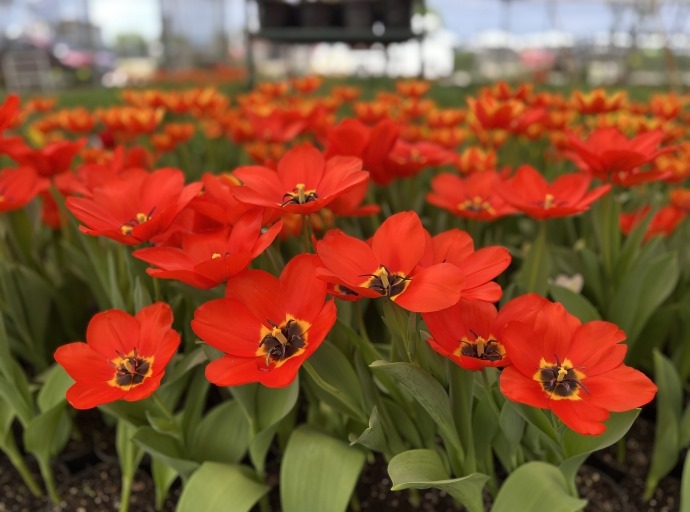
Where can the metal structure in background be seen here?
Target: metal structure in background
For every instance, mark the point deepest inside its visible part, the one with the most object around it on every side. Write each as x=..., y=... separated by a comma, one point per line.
x=303, y=23
x=27, y=69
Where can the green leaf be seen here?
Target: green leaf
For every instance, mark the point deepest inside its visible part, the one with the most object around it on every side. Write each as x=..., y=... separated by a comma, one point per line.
x=685, y=427
x=336, y=381
x=575, y=303
x=167, y=448
x=163, y=477
x=685, y=486
x=141, y=295
x=48, y=433
x=421, y=469
x=216, y=487
x=617, y=426
x=533, y=487
x=592, y=272
x=54, y=388
x=222, y=435
x=428, y=393
x=534, y=273
x=605, y=215
x=642, y=291
x=537, y=418
x=266, y=406
x=318, y=472
x=373, y=436
x=669, y=400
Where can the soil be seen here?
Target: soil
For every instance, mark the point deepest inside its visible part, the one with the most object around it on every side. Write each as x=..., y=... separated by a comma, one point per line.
x=88, y=480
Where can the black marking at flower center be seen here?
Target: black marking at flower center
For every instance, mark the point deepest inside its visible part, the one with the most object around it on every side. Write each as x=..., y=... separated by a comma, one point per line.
x=560, y=380
x=132, y=370
x=385, y=283
x=480, y=348
x=283, y=342
x=299, y=196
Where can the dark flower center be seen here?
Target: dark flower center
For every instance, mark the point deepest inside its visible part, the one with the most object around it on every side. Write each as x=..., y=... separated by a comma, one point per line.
x=132, y=369
x=299, y=195
x=480, y=348
x=283, y=342
x=560, y=380
x=385, y=283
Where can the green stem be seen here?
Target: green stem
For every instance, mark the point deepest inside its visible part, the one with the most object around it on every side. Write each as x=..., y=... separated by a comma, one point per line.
x=125, y=493
x=18, y=462
x=307, y=233
x=535, y=268
x=49, y=480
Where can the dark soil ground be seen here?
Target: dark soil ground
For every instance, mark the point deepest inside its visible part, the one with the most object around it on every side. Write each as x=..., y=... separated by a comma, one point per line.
x=89, y=481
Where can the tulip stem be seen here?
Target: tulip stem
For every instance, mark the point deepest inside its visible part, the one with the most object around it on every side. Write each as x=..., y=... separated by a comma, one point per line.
x=307, y=232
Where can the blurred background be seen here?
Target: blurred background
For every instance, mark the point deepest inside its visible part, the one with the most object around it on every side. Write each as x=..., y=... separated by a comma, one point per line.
x=50, y=44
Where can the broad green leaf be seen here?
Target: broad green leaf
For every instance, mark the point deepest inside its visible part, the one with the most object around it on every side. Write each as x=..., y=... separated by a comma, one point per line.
x=403, y=423
x=575, y=303
x=318, y=472
x=47, y=434
x=16, y=394
x=167, y=448
x=421, y=469
x=217, y=487
x=592, y=272
x=617, y=426
x=642, y=291
x=577, y=447
x=373, y=436
x=534, y=486
x=222, y=435
x=195, y=402
x=133, y=412
x=536, y=417
x=428, y=393
x=669, y=400
x=266, y=406
x=336, y=380
x=54, y=388
x=512, y=426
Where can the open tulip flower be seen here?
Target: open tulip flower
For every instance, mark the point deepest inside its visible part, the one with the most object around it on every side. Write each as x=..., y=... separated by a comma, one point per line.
x=124, y=356
x=574, y=369
x=304, y=182
x=530, y=193
x=469, y=333
x=206, y=260
x=607, y=153
x=135, y=207
x=267, y=327
x=390, y=266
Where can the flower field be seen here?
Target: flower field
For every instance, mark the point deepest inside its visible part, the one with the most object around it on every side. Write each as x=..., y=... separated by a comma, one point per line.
x=265, y=294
